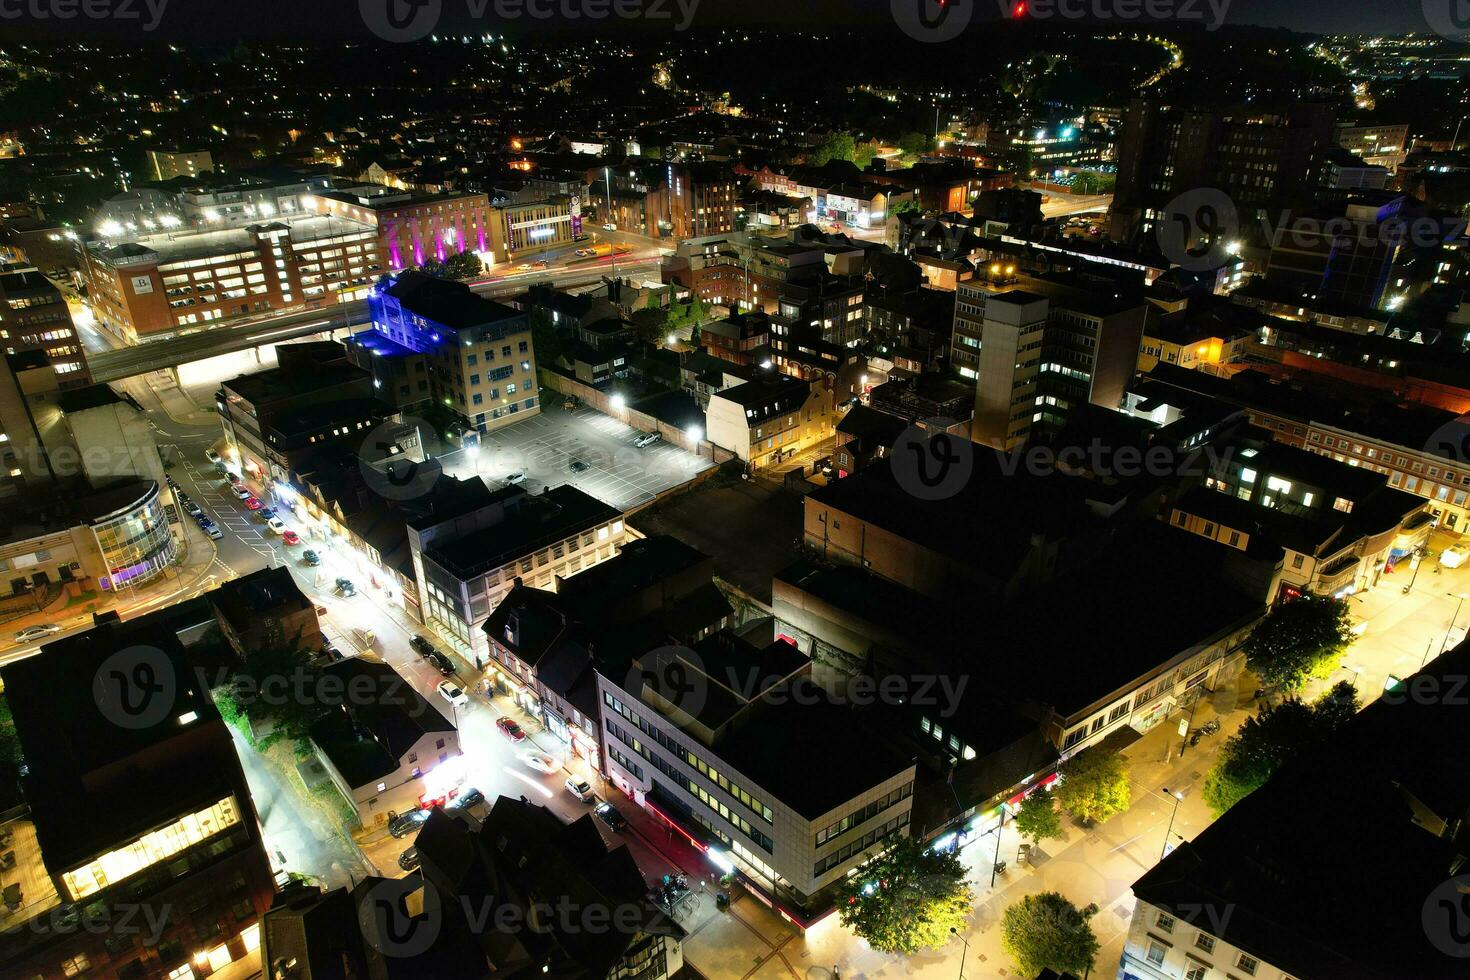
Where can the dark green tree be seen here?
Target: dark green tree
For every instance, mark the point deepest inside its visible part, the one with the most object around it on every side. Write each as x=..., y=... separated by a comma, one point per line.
x=650, y=325
x=463, y=265
x=913, y=144
x=907, y=899
x=1264, y=743
x=9, y=741
x=1045, y=931
x=1038, y=818
x=1094, y=785
x=905, y=206
x=1299, y=639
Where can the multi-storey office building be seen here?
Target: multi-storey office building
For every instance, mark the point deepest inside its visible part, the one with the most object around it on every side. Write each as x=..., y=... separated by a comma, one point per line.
x=34, y=316
x=166, y=164
x=702, y=739
x=435, y=340
x=178, y=282
x=666, y=200
x=1384, y=146
x=134, y=807
x=467, y=564
x=1264, y=161
x=314, y=397
x=1038, y=351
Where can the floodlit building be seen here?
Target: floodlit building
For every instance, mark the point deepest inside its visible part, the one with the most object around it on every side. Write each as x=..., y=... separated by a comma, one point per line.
x=133, y=806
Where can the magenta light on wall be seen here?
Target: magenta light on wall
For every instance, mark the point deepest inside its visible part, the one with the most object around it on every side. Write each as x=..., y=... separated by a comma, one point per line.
x=397, y=259
x=482, y=239
x=418, y=252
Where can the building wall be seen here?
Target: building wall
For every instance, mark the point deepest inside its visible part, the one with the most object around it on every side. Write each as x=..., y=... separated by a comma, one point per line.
x=1167, y=944
x=787, y=870
x=401, y=789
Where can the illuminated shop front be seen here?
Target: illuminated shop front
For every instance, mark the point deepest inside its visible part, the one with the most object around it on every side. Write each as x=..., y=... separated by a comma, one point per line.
x=134, y=540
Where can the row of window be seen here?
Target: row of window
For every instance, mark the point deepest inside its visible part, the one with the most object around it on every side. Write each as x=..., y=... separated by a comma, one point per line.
x=864, y=814
x=692, y=760
x=691, y=787
x=846, y=851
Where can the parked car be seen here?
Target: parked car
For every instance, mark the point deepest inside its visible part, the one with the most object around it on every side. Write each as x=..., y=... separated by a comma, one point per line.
x=1454, y=557
x=510, y=729
x=38, y=632
x=580, y=788
x=465, y=800
x=580, y=466
x=403, y=824
x=311, y=557
x=253, y=503
x=647, y=439
x=441, y=663
x=172, y=483
x=345, y=586
x=289, y=536
x=211, y=455
x=266, y=513
x=192, y=509
x=541, y=762
x=609, y=815
x=232, y=476
x=409, y=859
x=241, y=492
x=453, y=693
x=421, y=644
x=609, y=227
x=276, y=525
x=514, y=478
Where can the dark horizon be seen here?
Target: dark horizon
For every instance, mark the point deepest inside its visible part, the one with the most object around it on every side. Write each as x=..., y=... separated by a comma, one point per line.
x=197, y=22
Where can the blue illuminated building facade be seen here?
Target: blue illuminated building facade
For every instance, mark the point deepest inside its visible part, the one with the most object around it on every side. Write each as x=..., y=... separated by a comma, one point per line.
x=432, y=340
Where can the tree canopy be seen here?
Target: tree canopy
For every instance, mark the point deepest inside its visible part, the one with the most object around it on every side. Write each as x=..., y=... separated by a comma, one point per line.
x=906, y=900
x=1254, y=753
x=1038, y=818
x=1299, y=639
x=1094, y=785
x=1045, y=930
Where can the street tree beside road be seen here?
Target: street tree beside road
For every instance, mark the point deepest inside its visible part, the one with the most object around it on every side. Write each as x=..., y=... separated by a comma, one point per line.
x=1264, y=743
x=1303, y=638
x=1038, y=818
x=1094, y=785
x=908, y=899
x=1045, y=931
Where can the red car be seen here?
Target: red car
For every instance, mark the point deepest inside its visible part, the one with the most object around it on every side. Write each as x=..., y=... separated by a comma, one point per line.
x=252, y=503
x=510, y=729
x=290, y=537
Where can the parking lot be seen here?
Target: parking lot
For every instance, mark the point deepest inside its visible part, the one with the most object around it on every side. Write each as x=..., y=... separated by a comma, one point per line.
x=546, y=446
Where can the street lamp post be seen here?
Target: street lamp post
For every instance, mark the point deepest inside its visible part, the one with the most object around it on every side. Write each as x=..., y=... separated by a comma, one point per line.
x=995, y=863
x=1170, y=831
x=956, y=933
x=1461, y=596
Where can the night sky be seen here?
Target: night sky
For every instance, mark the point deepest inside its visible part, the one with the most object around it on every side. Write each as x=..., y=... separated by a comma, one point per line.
x=218, y=21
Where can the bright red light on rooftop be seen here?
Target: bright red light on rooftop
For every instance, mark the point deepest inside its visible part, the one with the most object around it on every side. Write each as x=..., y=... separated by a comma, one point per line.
x=1019, y=10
